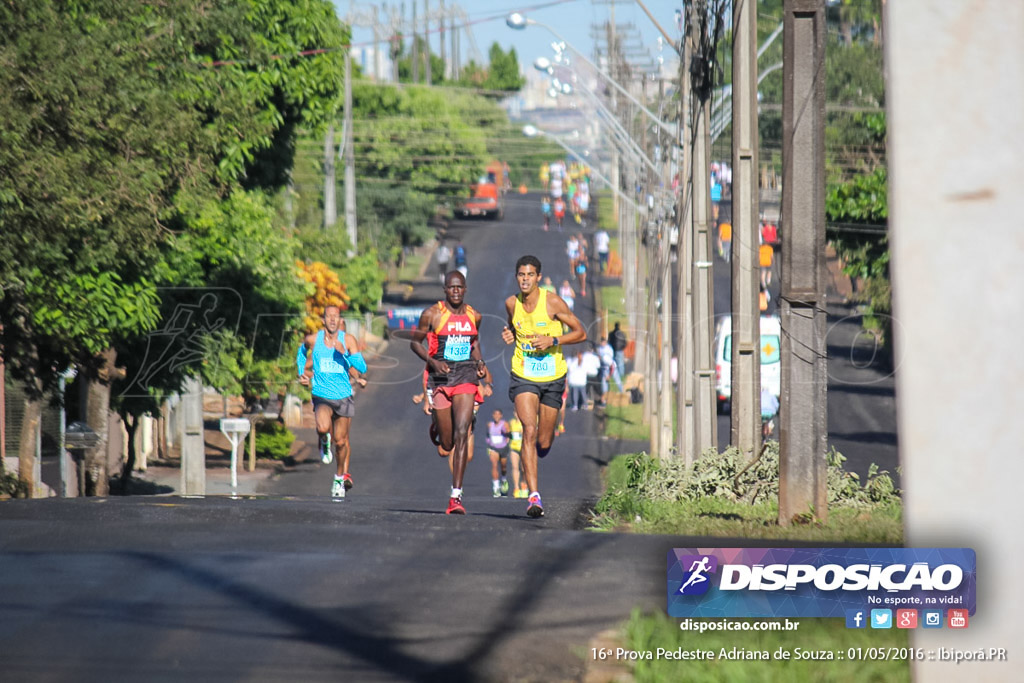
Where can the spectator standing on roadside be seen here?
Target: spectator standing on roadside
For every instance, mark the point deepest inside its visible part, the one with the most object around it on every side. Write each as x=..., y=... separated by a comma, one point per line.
x=577, y=380
x=592, y=364
x=608, y=368
x=602, y=243
x=617, y=340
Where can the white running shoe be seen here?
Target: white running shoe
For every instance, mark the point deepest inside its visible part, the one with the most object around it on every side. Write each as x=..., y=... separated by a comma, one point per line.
x=338, y=489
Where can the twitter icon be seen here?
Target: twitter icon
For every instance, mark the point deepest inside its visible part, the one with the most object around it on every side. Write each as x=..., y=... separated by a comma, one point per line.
x=881, y=618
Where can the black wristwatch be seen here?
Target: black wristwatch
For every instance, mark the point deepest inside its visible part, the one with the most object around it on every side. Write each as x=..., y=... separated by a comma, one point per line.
x=554, y=341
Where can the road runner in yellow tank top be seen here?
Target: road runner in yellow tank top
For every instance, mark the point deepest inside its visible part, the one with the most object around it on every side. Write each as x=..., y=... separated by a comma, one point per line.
x=537, y=320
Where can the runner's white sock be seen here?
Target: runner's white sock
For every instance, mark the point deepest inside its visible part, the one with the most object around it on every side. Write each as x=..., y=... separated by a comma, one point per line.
x=456, y=493
x=533, y=493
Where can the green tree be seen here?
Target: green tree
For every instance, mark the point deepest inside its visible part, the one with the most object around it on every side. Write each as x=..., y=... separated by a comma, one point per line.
x=503, y=73
x=111, y=113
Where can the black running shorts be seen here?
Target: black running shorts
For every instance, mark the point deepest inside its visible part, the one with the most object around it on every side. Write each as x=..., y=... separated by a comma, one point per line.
x=550, y=393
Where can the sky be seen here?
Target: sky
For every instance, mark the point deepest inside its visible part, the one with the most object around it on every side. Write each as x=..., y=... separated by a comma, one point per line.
x=570, y=18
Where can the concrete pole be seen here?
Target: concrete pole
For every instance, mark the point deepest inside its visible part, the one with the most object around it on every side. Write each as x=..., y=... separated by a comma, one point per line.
x=456, y=57
x=378, y=58
x=648, y=296
x=415, y=47
x=746, y=329
x=330, y=180
x=193, y=450
x=704, y=399
x=955, y=92
x=444, y=56
x=667, y=393
x=350, y=161
x=426, y=41
x=803, y=427
x=684, y=394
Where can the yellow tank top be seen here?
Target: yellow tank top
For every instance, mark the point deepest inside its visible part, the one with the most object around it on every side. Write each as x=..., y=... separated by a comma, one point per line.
x=528, y=363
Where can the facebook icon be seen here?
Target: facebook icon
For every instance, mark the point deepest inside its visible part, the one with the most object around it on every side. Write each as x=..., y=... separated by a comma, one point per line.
x=855, y=618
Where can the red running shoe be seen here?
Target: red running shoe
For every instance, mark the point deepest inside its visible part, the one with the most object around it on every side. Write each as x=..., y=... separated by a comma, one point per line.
x=347, y=478
x=455, y=507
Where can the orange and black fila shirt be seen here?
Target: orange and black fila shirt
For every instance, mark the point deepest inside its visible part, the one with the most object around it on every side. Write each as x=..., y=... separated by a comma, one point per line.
x=452, y=340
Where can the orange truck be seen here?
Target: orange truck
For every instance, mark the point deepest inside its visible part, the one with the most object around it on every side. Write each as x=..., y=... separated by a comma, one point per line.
x=486, y=200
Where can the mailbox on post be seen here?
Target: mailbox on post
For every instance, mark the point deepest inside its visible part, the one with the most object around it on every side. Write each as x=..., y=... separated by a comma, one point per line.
x=78, y=437
x=235, y=429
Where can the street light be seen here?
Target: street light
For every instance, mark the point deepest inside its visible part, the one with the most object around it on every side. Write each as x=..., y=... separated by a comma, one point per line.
x=625, y=140
x=519, y=22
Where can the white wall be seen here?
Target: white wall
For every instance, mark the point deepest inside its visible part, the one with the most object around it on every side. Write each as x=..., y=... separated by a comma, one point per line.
x=956, y=102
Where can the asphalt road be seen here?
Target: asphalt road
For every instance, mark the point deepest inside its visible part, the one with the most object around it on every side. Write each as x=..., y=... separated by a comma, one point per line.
x=287, y=585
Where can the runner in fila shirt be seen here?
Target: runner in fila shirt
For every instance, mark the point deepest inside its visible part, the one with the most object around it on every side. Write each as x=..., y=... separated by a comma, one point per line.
x=536, y=321
x=324, y=361
x=451, y=328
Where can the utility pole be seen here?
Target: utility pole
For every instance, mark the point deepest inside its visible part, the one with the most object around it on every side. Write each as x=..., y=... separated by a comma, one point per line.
x=193, y=453
x=803, y=428
x=649, y=357
x=746, y=327
x=397, y=40
x=665, y=271
x=456, y=57
x=330, y=181
x=378, y=58
x=350, y=160
x=703, y=311
x=426, y=40
x=684, y=399
x=444, y=57
x=415, y=47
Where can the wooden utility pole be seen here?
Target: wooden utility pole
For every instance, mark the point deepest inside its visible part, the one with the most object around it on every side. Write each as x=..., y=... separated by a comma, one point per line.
x=746, y=328
x=803, y=427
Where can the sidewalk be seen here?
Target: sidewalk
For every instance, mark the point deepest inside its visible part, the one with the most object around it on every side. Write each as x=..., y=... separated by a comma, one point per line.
x=166, y=480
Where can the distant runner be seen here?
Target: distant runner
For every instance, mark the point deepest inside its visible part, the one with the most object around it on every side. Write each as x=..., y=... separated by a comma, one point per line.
x=535, y=324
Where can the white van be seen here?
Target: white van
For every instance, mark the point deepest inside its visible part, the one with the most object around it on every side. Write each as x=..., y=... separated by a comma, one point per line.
x=771, y=367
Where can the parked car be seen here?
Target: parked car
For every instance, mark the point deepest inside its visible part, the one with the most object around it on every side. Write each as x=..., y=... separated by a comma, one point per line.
x=771, y=357
x=486, y=202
